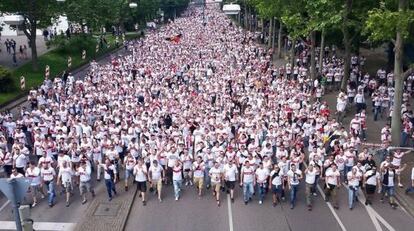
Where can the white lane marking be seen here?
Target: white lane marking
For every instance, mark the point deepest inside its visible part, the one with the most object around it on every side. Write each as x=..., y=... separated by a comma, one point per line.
x=47, y=226
x=332, y=209
x=230, y=213
x=374, y=215
x=4, y=205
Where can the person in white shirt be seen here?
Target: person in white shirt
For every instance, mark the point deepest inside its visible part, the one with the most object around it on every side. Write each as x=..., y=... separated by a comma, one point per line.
x=333, y=182
x=16, y=174
x=110, y=177
x=354, y=177
x=371, y=181
x=216, y=176
x=410, y=188
x=310, y=178
x=141, y=176
x=198, y=174
x=129, y=164
x=248, y=181
x=230, y=177
x=388, y=183
x=276, y=184
x=19, y=161
x=156, y=175
x=65, y=179
x=177, y=178
x=294, y=177
x=262, y=177
x=33, y=173
x=48, y=176
x=84, y=172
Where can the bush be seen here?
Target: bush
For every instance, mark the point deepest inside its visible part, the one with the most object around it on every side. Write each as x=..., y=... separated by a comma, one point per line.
x=74, y=45
x=6, y=81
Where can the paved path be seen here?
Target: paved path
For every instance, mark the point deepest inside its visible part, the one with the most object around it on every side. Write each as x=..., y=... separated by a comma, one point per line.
x=6, y=58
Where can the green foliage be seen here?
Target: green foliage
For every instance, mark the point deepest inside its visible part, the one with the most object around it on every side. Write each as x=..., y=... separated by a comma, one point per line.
x=6, y=82
x=382, y=23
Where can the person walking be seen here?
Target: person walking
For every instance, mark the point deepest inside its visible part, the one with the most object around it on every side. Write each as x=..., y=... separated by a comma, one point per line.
x=230, y=177
x=84, y=172
x=65, y=179
x=198, y=174
x=294, y=177
x=388, y=183
x=48, y=175
x=410, y=188
x=216, y=176
x=371, y=180
x=248, y=181
x=110, y=177
x=262, y=178
x=332, y=183
x=33, y=173
x=129, y=164
x=310, y=179
x=353, y=177
x=141, y=176
x=156, y=175
x=177, y=178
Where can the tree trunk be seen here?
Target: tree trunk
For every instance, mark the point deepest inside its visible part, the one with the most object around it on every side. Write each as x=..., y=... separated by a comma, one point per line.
x=279, y=40
x=347, y=44
x=33, y=47
x=321, y=51
x=292, y=54
x=273, y=35
x=269, y=42
x=245, y=16
x=313, y=55
x=399, y=82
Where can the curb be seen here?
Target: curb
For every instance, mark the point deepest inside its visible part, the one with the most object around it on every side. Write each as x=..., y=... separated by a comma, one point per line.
x=129, y=210
x=400, y=197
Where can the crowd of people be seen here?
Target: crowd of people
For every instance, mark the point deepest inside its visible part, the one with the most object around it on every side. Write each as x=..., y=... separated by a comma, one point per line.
x=207, y=110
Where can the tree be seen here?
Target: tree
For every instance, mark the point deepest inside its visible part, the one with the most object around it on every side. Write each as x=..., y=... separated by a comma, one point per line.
x=37, y=14
x=391, y=22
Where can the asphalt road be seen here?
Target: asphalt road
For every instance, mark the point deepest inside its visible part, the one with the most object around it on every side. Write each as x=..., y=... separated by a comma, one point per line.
x=199, y=214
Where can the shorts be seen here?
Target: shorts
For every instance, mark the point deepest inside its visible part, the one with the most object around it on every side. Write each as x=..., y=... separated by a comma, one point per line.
x=370, y=189
x=67, y=186
x=199, y=181
x=35, y=190
x=158, y=184
x=216, y=186
x=128, y=173
x=230, y=184
x=85, y=187
x=277, y=189
x=142, y=186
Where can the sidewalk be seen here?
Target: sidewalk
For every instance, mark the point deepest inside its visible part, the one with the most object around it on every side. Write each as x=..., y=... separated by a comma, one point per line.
x=374, y=136
x=104, y=215
x=6, y=58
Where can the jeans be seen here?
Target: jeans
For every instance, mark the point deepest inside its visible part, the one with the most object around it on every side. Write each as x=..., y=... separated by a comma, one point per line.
x=352, y=193
x=347, y=169
x=293, y=191
x=50, y=192
x=377, y=110
x=177, y=187
x=262, y=191
x=404, y=139
x=207, y=176
x=409, y=189
x=309, y=190
x=390, y=190
x=247, y=190
x=110, y=187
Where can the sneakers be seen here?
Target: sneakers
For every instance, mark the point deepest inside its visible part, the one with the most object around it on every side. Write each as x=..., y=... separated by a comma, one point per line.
x=274, y=204
x=260, y=202
x=315, y=194
x=126, y=188
x=34, y=204
x=176, y=198
x=110, y=199
x=84, y=201
x=144, y=203
x=232, y=200
x=400, y=185
x=42, y=196
x=245, y=202
x=159, y=199
x=309, y=207
x=67, y=204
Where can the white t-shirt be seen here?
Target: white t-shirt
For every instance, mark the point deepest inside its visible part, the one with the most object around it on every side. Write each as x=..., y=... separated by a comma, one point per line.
x=33, y=175
x=20, y=160
x=262, y=174
x=276, y=178
x=156, y=172
x=47, y=174
x=332, y=176
x=248, y=174
x=215, y=174
x=84, y=174
x=372, y=180
x=353, y=180
x=66, y=174
x=230, y=172
x=177, y=172
x=140, y=173
x=294, y=176
x=198, y=169
x=310, y=176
